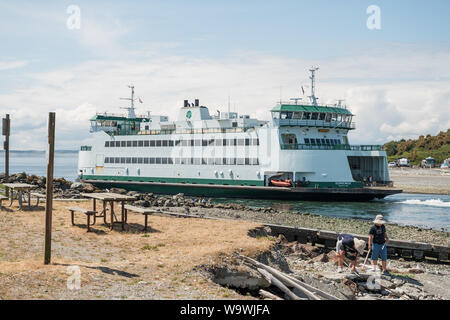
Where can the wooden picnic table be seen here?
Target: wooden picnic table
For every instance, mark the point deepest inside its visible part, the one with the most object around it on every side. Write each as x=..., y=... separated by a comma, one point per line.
x=20, y=187
x=109, y=197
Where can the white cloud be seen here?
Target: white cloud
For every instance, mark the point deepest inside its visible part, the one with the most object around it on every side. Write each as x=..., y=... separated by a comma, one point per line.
x=7, y=65
x=385, y=92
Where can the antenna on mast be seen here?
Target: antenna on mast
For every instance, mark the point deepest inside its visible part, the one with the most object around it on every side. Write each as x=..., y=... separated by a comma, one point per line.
x=295, y=99
x=130, y=109
x=313, y=84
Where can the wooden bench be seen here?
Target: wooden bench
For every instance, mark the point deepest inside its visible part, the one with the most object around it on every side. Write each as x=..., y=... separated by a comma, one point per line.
x=88, y=214
x=38, y=197
x=144, y=211
x=2, y=197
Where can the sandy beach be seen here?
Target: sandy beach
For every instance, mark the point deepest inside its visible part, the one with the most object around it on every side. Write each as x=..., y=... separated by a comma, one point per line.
x=429, y=181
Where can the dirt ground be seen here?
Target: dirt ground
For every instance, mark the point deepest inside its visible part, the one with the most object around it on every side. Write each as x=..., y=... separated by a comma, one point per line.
x=130, y=264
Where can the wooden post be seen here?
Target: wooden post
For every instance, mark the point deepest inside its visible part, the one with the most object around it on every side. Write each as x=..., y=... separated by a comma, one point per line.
x=6, y=131
x=49, y=195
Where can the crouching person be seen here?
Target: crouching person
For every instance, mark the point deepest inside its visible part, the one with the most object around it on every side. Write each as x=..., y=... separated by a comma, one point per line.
x=350, y=247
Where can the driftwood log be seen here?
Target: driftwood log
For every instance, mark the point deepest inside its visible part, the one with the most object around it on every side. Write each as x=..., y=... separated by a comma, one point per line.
x=272, y=280
x=310, y=291
x=319, y=292
x=289, y=282
x=268, y=295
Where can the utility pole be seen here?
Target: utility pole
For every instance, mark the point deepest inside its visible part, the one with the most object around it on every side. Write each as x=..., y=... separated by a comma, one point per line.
x=6, y=131
x=49, y=194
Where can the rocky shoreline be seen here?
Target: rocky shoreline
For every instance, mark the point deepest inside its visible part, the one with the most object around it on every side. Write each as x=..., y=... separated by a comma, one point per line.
x=65, y=189
x=316, y=266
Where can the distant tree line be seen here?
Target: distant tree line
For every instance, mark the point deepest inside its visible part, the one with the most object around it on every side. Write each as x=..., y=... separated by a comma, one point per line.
x=437, y=147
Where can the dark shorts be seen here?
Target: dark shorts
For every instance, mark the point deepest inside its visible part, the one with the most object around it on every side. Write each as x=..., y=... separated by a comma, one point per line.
x=379, y=251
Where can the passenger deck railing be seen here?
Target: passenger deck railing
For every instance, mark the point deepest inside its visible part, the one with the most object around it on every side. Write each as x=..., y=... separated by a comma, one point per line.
x=331, y=147
x=314, y=123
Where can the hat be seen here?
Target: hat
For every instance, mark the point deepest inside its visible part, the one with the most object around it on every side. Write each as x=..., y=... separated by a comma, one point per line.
x=379, y=219
x=360, y=245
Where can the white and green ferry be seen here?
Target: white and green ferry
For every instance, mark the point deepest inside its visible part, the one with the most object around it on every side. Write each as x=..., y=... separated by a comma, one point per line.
x=302, y=153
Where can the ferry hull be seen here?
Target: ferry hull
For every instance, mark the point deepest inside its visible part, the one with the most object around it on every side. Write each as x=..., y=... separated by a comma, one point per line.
x=251, y=192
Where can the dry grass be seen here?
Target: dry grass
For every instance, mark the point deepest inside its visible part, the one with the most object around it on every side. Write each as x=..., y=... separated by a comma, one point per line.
x=117, y=264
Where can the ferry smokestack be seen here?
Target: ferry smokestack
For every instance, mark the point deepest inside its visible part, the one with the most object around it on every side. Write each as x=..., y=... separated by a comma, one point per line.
x=186, y=103
x=197, y=102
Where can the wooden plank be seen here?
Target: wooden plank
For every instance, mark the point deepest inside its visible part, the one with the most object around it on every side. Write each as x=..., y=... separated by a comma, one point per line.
x=139, y=209
x=327, y=235
x=81, y=210
x=105, y=196
x=20, y=185
x=6, y=128
x=49, y=191
x=404, y=244
x=38, y=195
x=331, y=235
x=438, y=248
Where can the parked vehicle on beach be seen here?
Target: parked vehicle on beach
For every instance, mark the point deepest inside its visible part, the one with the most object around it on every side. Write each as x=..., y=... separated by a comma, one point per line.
x=445, y=164
x=428, y=162
x=403, y=162
x=392, y=164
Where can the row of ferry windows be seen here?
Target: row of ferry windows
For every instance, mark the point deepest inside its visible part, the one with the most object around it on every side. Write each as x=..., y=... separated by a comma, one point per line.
x=322, y=141
x=184, y=143
x=194, y=161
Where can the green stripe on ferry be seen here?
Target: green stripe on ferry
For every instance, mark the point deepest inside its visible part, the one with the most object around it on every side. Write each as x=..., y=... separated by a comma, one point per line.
x=312, y=184
x=177, y=180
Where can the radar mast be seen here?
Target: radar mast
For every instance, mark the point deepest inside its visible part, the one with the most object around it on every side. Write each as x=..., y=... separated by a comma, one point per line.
x=313, y=84
x=131, y=114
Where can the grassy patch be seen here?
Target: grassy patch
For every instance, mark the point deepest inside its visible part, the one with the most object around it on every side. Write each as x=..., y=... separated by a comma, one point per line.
x=406, y=275
x=154, y=248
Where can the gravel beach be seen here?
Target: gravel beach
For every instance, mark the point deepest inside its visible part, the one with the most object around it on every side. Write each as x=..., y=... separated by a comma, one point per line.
x=430, y=181
x=325, y=223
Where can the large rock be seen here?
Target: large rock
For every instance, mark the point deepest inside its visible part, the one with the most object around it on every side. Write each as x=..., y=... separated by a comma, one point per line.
x=118, y=190
x=87, y=187
x=238, y=277
x=168, y=203
x=76, y=186
x=408, y=290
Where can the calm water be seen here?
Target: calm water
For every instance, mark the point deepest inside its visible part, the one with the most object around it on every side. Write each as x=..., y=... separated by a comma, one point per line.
x=35, y=162
x=427, y=211
x=421, y=210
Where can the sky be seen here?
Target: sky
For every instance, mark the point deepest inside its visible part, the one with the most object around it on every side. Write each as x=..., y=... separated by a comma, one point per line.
x=391, y=66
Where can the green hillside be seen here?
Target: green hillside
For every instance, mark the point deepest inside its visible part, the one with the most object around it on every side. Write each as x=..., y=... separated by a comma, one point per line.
x=437, y=147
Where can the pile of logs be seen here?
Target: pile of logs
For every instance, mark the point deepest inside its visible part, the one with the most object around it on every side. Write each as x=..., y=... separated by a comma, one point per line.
x=284, y=282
